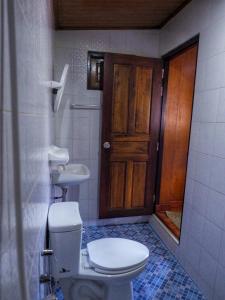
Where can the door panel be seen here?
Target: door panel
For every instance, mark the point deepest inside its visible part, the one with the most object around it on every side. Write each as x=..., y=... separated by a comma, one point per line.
x=121, y=81
x=117, y=182
x=129, y=147
x=129, y=92
x=143, y=84
x=177, y=122
x=139, y=179
x=180, y=69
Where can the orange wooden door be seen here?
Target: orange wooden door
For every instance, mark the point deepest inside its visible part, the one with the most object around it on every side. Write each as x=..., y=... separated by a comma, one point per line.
x=176, y=131
x=130, y=128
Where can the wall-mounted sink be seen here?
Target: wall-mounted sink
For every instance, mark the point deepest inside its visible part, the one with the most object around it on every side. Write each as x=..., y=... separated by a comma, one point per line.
x=71, y=174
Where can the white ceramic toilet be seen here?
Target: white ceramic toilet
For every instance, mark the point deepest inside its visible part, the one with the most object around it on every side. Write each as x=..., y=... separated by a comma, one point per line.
x=102, y=271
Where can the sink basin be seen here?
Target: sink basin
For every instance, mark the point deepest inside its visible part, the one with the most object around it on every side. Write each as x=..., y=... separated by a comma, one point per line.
x=71, y=174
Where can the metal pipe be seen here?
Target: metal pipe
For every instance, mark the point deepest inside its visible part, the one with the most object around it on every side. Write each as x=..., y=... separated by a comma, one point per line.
x=87, y=107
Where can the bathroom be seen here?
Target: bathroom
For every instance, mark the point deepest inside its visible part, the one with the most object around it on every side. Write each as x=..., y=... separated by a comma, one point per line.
x=38, y=39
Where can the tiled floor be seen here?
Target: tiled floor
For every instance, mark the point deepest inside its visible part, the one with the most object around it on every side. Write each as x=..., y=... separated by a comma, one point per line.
x=163, y=278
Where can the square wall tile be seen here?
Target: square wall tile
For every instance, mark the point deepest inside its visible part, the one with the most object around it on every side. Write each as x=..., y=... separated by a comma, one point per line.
x=189, y=190
x=219, y=140
x=200, y=198
x=196, y=225
x=211, y=41
x=203, y=166
x=220, y=284
x=222, y=251
x=215, y=73
x=221, y=106
x=193, y=251
x=211, y=239
x=191, y=167
x=215, y=209
x=206, y=105
x=206, y=138
x=81, y=149
x=217, y=174
x=207, y=269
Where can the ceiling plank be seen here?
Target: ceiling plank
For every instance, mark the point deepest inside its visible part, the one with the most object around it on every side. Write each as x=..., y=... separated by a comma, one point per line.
x=174, y=13
x=115, y=14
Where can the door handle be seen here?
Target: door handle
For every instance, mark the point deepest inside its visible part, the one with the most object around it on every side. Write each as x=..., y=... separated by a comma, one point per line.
x=106, y=145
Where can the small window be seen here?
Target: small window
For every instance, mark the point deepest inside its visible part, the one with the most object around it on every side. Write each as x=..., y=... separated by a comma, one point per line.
x=95, y=67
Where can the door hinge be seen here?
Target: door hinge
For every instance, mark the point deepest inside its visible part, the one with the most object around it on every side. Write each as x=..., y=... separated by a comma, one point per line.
x=162, y=86
x=161, y=90
x=157, y=146
x=153, y=198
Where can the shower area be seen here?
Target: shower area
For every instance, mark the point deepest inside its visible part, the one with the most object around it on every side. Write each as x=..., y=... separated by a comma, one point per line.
x=179, y=83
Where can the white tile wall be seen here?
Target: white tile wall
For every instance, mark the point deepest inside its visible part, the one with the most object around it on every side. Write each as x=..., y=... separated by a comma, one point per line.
x=202, y=249
x=33, y=23
x=80, y=130
x=204, y=213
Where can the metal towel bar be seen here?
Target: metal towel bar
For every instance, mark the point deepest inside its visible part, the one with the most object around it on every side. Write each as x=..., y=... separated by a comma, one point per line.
x=88, y=107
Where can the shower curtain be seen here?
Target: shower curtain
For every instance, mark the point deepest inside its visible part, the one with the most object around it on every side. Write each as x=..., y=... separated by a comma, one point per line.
x=12, y=270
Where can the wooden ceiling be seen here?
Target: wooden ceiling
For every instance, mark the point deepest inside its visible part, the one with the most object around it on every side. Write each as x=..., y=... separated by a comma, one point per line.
x=115, y=14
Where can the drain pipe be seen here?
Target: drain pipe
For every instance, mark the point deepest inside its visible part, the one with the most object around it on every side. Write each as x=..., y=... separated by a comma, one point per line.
x=64, y=193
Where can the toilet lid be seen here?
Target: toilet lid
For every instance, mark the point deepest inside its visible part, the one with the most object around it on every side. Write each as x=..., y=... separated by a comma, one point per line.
x=116, y=254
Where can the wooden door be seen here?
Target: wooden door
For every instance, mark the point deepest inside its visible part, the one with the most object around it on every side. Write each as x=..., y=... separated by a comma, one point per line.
x=130, y=129
x=176, y=125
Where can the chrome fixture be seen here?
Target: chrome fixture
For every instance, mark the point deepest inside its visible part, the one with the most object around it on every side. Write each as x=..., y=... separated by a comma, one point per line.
x=87, y=107
x=46, y=278
x=46, y=252
x=106, y=145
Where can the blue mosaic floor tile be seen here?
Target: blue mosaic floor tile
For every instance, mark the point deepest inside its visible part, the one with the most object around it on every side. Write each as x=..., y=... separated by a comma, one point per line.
x=163, y=278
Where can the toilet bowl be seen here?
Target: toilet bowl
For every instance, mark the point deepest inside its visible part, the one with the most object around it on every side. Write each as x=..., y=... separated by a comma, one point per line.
x=102, y=271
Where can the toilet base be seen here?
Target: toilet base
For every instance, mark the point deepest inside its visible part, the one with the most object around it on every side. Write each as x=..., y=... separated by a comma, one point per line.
x=81, y=289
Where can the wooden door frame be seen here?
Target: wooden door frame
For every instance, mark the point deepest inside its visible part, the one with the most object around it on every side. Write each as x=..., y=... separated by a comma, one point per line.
x=166, y=58
x=154, y=124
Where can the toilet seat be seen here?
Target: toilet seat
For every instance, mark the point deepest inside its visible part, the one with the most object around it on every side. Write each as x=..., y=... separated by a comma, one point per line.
x=116, y=255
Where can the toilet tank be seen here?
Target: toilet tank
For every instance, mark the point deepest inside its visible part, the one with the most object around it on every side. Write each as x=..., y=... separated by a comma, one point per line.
x=65, y=230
